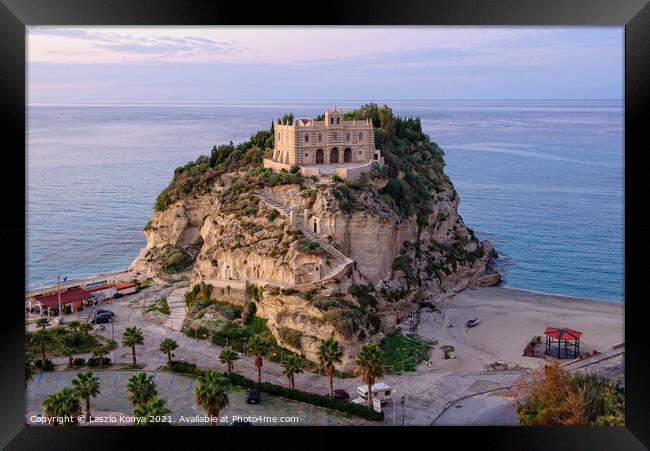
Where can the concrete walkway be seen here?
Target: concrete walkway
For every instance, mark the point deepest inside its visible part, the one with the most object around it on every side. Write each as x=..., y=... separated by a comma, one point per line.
x=177, y=309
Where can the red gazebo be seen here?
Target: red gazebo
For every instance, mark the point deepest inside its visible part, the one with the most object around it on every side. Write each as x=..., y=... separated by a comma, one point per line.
x=562, y=342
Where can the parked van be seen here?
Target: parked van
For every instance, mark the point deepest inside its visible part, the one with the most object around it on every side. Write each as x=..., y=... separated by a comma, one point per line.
x=380, y=391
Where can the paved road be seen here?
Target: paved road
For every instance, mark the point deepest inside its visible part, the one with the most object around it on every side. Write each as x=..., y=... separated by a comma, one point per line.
x=480, y=410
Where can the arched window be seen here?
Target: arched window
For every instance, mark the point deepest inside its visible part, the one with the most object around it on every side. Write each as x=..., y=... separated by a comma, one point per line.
x=360, y=136
x=306, y=138
x=337, y=120
x=347, y=136
x=331, y=120
x=320, y=137
x=335, y=136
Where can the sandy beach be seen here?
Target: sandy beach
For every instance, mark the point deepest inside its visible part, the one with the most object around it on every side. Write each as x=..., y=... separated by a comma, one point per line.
x=510, y=317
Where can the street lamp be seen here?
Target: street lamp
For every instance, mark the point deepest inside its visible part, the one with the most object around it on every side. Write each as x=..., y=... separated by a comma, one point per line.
x=402, y=404
x=394, y=391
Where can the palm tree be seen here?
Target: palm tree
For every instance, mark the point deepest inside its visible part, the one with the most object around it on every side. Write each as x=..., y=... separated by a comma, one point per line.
x=228, y=357
x=42, y=322
x=292, y=365
x=370, y=367
x=29, y=367
x=132, y=336
x=74, y=325
x=141, y=388
x=329, y=353
x=151, y=412
x=40, y=339
x=258, y=347
x=69, y=352
x=211, y=395
x=64, y=403
x=86, y=385
x=85, y=328
x=167, y=346
x=99, y=353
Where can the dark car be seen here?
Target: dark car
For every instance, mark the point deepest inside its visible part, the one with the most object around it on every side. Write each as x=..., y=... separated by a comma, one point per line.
x=339, y=394
x=102, y=311
x=118, y=295
x=253, y=397
x=102, y=319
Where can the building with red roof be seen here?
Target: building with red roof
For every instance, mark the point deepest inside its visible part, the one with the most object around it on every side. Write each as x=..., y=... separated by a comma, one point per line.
x=74, y=297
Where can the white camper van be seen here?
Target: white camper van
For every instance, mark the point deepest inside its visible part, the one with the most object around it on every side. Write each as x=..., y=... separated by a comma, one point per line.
x=380, y=391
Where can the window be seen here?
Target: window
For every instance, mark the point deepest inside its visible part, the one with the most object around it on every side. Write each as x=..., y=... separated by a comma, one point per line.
x=338, y=119
x=306, y=138
x=361, y=152
x=331, y=120
x=320, y=137
x=360, y=136
x=306, y=154
x=335, y=136
x=347, y=137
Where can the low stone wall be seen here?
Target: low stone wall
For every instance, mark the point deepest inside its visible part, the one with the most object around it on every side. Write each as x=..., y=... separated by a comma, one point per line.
x=355, y=172
x=309, y=171
x=275, y=165
x=232, y=295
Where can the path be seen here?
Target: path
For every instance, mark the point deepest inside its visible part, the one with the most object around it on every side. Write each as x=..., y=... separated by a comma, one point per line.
x=342, y=260
x=177, y=309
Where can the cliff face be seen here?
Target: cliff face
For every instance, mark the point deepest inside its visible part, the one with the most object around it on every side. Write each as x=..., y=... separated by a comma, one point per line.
x=336, y=257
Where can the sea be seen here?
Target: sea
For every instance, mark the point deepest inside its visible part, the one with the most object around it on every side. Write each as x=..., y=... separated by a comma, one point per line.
x=542, y=180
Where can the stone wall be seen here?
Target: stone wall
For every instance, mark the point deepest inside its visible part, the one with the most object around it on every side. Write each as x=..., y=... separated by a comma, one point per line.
x=275, y=165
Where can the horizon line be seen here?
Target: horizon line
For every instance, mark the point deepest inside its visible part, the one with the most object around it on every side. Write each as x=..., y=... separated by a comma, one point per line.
x=209, y=102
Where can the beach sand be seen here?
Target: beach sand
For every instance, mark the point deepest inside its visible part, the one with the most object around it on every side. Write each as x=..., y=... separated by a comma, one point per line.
x=509, y=318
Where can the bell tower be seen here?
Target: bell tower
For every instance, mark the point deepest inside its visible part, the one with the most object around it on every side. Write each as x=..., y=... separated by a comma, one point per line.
x=333, y=117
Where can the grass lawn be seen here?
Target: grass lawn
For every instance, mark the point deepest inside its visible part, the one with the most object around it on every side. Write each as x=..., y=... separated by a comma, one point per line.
x=404, y=352
x=60, y=335
x=232, y=333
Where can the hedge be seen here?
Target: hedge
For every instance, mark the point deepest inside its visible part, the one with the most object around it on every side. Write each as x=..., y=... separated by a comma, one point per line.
x=293, y=394
x=310, y=398
x=94, y=361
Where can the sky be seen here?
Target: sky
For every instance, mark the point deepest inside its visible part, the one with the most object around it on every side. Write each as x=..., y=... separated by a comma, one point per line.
x=69, y=65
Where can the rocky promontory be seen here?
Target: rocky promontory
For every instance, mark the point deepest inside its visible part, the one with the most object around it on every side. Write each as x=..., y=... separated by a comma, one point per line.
x=318, y=257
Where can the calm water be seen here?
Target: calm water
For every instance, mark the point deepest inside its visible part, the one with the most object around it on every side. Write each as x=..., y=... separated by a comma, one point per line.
x=542, y=179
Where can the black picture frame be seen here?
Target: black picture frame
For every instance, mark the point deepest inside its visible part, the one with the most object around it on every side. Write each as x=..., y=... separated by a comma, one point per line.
x=634, y=15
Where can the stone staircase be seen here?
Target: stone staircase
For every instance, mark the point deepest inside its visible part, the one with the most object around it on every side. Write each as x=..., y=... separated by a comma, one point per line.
x=342, y=260
x=177, y=309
